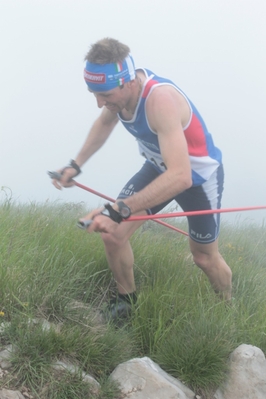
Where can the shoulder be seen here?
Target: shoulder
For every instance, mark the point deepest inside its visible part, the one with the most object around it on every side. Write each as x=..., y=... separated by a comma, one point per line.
x=165, y=92
x=165, y=101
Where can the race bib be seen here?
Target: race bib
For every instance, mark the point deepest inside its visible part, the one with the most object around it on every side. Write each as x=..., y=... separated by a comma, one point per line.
x=152, y=156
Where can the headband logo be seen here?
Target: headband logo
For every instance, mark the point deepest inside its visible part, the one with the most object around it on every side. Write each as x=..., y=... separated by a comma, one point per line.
x=94, y=77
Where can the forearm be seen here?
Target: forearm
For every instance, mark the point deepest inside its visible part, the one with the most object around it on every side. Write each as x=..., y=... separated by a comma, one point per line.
x=97, y=136
x=163, y=188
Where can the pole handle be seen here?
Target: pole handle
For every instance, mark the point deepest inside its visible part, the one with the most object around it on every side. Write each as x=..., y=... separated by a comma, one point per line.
x=55, y=175
x=84, y=224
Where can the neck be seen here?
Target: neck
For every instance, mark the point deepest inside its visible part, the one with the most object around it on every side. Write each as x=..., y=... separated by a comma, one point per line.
x=132, y=107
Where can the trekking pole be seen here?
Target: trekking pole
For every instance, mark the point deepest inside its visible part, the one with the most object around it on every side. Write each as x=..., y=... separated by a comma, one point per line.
x=194, y=213
x=56, y=175
x=84, y=224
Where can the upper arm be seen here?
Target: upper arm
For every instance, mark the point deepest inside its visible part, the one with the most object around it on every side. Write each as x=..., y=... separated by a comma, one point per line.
x=166, y=111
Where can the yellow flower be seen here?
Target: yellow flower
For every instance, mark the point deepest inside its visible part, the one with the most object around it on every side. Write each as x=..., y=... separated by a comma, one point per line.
x=2, y=314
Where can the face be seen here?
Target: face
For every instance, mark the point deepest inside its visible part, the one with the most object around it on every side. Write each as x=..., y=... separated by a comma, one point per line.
x=114, y=100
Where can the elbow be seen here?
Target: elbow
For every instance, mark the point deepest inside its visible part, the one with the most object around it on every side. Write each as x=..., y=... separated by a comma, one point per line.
x=182, y=180
x=187, y=183
x=187, y=178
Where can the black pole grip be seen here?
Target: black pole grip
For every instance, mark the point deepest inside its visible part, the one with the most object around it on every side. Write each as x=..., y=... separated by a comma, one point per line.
x=84, y=224
x=55, y=175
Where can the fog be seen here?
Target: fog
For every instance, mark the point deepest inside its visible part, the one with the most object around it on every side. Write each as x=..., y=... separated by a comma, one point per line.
x=213, y=50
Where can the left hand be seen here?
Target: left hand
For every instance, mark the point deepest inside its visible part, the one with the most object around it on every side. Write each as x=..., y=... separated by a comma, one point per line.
x=101, y=223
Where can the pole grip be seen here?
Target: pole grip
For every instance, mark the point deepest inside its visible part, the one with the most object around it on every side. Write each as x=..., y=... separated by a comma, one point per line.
x=55, y=175
x=83, y=224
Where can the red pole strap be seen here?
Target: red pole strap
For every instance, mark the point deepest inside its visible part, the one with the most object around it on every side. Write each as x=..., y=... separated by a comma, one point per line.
x=112, y=200
x=194, y=213
x=93, y=191
x=174, y=214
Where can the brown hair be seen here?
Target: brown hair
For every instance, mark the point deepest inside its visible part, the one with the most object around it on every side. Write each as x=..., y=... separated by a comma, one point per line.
x=107, y=51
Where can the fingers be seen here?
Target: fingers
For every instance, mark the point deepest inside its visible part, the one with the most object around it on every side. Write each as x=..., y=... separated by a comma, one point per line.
x=67, y=176
x=56, y=184
x=63, y=178
x=87, y=221
x=96, y=222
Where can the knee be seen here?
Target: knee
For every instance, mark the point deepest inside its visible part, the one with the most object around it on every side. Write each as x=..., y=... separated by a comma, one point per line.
x=202, y=260
x=112, y=240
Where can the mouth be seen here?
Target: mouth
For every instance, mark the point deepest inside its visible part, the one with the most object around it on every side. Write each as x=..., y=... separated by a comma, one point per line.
x=111, y=107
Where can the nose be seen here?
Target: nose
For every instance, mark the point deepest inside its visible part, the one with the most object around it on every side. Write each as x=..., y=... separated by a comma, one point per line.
x=100, y=101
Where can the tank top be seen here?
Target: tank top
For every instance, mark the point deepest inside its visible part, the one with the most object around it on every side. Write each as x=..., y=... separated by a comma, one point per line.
x=204, y=156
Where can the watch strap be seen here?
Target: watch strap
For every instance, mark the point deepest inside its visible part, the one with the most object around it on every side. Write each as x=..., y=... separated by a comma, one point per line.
x=115, y=216
x=74, y=165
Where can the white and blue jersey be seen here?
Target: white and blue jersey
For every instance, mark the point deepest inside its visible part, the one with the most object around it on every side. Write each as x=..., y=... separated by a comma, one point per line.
x=204, y=156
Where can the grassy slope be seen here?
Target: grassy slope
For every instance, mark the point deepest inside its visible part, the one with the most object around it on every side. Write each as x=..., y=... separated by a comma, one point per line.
x=51, y=270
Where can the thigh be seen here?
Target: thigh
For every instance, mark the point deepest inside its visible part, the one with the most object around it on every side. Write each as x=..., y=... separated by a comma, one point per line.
x=209, y=249
x=204, y=229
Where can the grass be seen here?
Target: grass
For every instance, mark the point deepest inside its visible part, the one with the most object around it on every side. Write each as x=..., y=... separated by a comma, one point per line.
x=52, y=271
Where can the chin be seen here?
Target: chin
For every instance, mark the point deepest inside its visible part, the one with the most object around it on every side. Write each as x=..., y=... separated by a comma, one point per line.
x=115, y=112
x=113, y=108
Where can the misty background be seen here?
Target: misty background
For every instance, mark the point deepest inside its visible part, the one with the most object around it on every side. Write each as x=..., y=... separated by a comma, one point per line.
x=214, y=51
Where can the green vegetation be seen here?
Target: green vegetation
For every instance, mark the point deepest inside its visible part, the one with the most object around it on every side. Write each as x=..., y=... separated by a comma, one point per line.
x=50, y=270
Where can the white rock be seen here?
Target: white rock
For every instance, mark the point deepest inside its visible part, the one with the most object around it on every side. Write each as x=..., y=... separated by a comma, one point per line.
x=73, y=369
x=3, y=326
x=247, y=375
x=5, y=355
x=141, y=378
x=7, y=394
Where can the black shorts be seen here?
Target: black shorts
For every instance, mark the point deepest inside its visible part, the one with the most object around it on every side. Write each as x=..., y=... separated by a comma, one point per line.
x=202, y=228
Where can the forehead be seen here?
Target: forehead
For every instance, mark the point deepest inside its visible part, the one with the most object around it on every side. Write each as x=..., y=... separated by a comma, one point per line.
x=104, y=93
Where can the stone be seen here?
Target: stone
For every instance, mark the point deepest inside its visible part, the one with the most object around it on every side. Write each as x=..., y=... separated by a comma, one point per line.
x=58, y=365
x=141, y=378
x=247, y=375
x=5, y=355
x=3, y=326
x=7, y=394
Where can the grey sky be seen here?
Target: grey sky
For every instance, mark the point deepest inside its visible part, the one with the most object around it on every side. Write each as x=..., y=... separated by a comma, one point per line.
x=214, y=50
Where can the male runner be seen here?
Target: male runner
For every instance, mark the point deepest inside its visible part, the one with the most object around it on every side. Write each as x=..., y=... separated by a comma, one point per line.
x=181, y=163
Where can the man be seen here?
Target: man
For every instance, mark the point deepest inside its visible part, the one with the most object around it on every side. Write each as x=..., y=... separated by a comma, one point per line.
x=181, y=163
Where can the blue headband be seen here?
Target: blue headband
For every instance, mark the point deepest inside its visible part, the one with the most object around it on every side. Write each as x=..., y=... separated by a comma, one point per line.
x=104, y=77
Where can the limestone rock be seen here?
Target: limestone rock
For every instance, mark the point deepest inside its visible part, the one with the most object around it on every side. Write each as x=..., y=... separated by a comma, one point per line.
x=141, y=378
x=247, y=375
x=5, y=355
x=7, y=394
x=58, y=365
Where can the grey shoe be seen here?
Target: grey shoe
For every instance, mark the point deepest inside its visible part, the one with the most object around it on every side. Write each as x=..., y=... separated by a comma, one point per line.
x=117, y=310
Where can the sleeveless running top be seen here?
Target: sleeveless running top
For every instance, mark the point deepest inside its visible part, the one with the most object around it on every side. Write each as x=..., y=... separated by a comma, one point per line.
x=205, y=158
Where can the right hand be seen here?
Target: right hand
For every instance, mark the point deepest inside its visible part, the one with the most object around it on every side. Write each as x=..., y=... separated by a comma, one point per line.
x=67, y=178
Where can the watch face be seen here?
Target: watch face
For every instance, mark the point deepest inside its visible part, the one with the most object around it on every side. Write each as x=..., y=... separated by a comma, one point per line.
x=124, y=210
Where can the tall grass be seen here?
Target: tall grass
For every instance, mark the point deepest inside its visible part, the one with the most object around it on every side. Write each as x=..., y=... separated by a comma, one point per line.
x=50, y=270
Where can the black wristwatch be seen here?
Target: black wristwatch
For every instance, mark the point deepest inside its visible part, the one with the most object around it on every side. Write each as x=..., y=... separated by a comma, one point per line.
x=123, y=213
x=124, y=210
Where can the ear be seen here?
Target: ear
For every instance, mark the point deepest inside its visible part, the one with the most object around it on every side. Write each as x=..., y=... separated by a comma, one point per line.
x=133, y=82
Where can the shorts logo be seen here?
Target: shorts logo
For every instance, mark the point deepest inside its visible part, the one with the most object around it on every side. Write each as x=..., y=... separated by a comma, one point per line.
x=130, y=190
x=200, y=236
x=94, y=77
